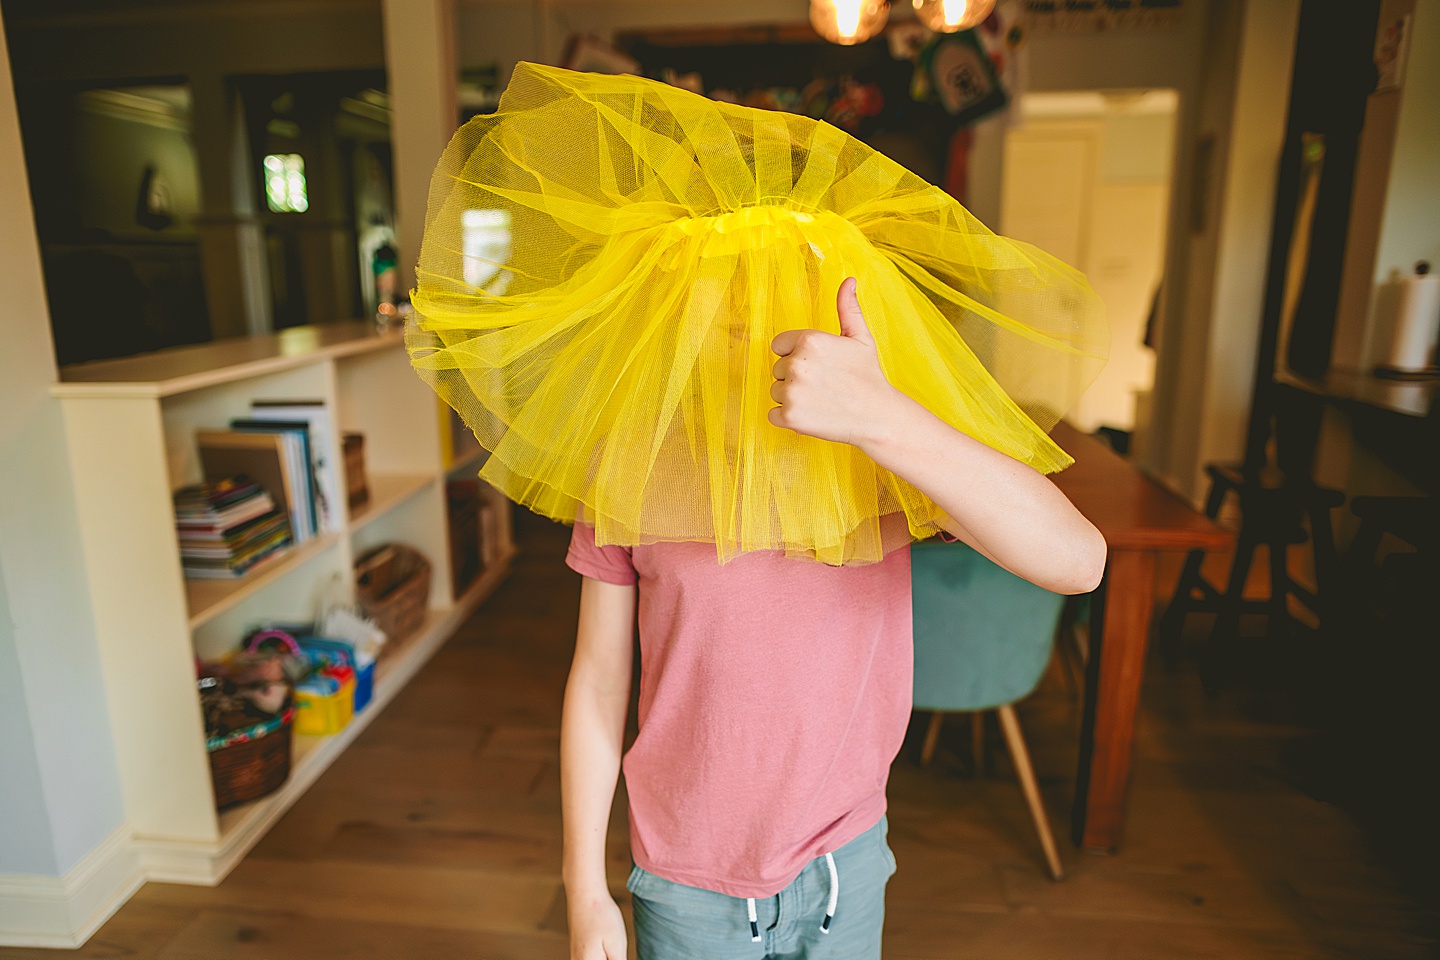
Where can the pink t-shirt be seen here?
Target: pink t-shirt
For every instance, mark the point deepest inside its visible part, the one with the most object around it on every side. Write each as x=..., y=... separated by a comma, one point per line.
x=774, y=693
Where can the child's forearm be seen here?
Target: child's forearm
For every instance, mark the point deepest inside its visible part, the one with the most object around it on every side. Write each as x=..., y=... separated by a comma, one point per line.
x=592, y=732
x=589, y=770
x=1005, y=509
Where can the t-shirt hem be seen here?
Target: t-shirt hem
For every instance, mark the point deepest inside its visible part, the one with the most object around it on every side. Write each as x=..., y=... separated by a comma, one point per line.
x=747, y=889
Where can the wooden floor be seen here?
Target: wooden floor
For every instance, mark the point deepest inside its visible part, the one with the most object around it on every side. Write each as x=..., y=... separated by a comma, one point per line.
x=437, y=835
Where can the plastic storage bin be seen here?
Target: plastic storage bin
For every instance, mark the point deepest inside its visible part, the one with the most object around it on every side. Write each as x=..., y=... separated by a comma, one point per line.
x=328, y=652
x=325, y=701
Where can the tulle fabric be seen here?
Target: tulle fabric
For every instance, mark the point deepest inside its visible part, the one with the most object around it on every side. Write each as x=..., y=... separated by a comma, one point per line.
x=613, y=353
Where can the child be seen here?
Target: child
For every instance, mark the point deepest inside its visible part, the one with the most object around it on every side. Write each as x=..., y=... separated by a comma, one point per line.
x=775, y=692
x=645, y=305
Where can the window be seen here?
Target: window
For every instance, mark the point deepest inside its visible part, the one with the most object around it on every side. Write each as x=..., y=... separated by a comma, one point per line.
x=285, y=183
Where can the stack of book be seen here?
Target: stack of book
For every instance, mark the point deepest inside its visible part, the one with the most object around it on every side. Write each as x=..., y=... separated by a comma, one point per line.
x=226, y=527
x=284, y=446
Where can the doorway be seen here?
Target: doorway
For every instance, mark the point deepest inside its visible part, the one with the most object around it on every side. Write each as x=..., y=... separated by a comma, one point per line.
x=1087, y=177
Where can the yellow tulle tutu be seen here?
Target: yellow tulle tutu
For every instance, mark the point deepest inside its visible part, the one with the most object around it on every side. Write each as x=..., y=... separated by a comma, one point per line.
x=607, y=259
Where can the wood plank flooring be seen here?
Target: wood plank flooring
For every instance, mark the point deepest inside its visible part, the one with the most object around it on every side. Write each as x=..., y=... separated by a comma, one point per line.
x=437, y=835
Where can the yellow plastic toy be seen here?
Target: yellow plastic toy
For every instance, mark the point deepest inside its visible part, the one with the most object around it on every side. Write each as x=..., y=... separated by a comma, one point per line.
x=323, y=708
x=607, y=259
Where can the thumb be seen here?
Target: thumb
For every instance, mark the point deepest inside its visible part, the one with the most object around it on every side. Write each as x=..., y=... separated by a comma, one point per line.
x=852, y=321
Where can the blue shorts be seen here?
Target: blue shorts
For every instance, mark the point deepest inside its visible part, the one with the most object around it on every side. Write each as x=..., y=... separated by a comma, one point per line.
x=677, y=922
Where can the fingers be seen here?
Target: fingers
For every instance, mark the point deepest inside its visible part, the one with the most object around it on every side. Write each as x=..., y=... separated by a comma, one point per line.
x=784, y=343
x=793, y=341
x=852, y=320
x=781, y=368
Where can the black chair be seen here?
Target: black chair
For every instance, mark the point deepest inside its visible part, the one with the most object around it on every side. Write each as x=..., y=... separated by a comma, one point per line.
x=1280, y=507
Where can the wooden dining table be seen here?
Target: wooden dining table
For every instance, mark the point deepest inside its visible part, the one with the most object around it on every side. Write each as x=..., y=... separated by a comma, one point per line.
x=1139, y=520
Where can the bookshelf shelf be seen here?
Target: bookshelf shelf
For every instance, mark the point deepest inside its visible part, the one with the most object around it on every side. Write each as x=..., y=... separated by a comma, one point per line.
x=131, y=428
x=469, y=464
x=387, y=491
x=207, y=599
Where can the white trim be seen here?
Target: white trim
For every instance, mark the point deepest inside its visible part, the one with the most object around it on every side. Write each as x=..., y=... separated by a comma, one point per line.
x=40, y=911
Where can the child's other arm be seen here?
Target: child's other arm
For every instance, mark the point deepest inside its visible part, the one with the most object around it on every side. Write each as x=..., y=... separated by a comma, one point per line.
x=592, y=734
x=832, y=387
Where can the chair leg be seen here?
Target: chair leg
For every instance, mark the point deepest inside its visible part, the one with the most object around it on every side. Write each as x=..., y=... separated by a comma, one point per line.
x=1026, y=772
x=1232, y=601
x=977, y=743
x=932, y=734
x=1326, y=560
x=1172, y=621
x=1279, y=555
x=1216, y=664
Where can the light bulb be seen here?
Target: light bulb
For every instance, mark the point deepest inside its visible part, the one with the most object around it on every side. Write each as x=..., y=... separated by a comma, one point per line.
x=949, y=16
x=848, y=22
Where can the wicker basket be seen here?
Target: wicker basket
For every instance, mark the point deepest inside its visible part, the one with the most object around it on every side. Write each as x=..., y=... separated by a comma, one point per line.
x=392, y=583
x=251, y=762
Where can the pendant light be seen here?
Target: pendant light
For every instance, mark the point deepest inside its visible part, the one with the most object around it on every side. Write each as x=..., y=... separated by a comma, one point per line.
x=848, y=22
x=950, y=16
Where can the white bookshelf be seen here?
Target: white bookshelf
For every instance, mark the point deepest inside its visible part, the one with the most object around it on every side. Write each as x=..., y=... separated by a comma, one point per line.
x=130, y=426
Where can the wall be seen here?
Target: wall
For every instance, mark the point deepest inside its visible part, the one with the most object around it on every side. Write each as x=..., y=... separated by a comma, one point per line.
x=1220, y=244
x=29, y=849
x=503, y=31
x=1412, y=206
x=195, y=39
x=62, y=795
x=1410, y=221
x=1353, y=345
x=1257, y=130
x=111, y=153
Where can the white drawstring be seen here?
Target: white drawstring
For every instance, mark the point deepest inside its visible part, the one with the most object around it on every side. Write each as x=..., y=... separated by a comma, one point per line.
x=829, y=906
x=834, y=894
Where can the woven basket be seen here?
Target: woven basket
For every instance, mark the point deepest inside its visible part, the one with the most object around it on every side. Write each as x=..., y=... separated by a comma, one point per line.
x=392, y=584
x=252, y=762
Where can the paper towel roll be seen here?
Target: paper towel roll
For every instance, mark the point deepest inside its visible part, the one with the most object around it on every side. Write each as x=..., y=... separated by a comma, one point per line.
x=1417, y=320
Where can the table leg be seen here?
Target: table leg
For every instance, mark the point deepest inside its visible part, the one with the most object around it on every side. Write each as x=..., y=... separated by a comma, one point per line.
x=1120, y=629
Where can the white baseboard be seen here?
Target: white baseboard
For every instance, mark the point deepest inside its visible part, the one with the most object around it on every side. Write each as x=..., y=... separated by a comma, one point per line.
x=38, y=911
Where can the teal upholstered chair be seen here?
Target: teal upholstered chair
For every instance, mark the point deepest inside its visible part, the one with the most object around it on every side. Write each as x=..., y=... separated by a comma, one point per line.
x=983, y=637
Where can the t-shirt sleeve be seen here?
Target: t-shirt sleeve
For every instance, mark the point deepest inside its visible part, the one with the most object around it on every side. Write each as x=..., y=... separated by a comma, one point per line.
x=612, y=564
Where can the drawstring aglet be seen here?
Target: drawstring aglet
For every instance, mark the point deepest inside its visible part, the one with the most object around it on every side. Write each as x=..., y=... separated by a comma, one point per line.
x=754, y=920
x=834, y=894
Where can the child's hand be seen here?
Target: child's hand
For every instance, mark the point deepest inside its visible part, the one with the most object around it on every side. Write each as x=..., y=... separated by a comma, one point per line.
x=597, y=929
x=832, y=387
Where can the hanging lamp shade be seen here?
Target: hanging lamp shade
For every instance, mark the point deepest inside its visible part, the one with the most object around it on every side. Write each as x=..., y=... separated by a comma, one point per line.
x=848, y=22
x=607, y=260
x=951, y=16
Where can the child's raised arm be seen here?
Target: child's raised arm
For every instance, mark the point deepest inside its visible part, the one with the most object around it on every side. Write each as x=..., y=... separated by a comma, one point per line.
x=832, y=387
x=592, y=734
